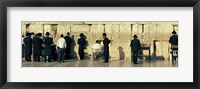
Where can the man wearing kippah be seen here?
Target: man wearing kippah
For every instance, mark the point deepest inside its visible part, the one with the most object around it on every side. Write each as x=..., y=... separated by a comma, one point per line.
x=61, y=45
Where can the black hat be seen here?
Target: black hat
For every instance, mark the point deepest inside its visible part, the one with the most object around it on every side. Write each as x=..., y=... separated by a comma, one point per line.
x=81, y=35
x=28, y=34
x=104, y=34
x=135, y=36
x=174, y=32
x=47, y=33
x=39, y=34
x=32, y=33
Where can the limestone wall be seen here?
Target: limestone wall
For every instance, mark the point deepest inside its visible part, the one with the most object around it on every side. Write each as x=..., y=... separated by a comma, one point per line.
x=119, y=32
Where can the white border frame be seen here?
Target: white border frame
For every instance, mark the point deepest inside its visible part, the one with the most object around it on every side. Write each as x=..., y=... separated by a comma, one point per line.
x=184, y=73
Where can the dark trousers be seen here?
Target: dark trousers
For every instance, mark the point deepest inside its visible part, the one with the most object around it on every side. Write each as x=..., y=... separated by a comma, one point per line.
x=134, y=57
x=34, y=57
x=61, y=54
x=23, y=50
x=106, y=59
x=54, y=56
x=37, y=58
x=106, y=53
x=49, y=58
x=28, y=57
x=174, y=58
x=67, y=52
x=81, y=54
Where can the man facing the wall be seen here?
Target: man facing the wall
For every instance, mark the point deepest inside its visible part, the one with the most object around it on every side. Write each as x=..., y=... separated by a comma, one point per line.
x=61, y=45
x=106, y=43
x=28, y=46
x=135, y=48
x=68, y=41
x=48, y=41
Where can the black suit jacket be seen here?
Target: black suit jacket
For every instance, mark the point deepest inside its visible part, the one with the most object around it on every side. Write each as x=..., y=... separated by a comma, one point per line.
x=173, y=40
x=135, y=45
x=48, y=41
x=28, y=45
x=68, y=40
x=37, y=43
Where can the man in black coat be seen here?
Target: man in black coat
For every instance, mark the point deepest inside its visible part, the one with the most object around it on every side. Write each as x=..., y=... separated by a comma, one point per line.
x=68, y=41
x=37, y=47
x=174, y=42
x=48, y=41
x=28, y=46
x=81, y=42
x=173, y=39
x=106, y=43
x=135, y=48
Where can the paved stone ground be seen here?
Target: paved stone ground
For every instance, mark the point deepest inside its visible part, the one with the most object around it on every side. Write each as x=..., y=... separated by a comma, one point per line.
x=99, y=63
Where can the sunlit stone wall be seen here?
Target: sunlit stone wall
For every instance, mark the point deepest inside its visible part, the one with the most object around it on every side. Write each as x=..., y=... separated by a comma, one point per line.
x=119, y=32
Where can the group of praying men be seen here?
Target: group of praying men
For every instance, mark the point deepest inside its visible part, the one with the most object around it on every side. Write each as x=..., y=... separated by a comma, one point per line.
x=32, y=45
x=63, y=47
